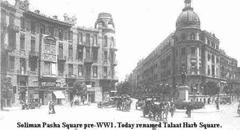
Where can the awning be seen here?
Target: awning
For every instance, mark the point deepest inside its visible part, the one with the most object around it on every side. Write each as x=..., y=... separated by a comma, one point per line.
x=89, y=86
x=59, y=94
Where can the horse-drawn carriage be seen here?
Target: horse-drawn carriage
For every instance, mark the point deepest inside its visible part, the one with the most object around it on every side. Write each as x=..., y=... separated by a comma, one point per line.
x=156, y=110
x=124, y=103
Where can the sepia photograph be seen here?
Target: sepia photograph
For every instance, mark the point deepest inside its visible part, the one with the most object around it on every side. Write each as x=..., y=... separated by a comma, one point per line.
x=119, y=65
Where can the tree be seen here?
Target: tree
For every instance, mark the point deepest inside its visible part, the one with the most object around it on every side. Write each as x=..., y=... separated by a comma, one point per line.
x=6, y=89
x=211, y=88
x=79, y=88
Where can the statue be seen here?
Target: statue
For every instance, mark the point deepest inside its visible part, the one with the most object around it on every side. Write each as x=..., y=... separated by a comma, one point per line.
x=183, y=75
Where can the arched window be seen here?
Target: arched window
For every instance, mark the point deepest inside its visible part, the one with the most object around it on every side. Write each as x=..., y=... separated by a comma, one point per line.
x=192, y=36
x=113, y=41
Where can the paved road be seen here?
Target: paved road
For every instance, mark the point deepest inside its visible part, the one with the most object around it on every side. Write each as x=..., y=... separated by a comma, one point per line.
x=226, y=117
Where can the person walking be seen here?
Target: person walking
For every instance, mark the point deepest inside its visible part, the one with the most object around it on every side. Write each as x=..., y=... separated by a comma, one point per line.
x=189, y=110
x=217, y=103
x=172, y=108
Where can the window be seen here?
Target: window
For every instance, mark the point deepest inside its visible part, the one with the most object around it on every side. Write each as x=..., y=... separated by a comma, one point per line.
x=33, y=44
x=213, y=70
x=80, y=70
x=209, y=57
x=50, y=68
x=183, y=51
x=79, y=38
x=213, y=59
x=12, y=39
x=11, y=62
x=3, y=16
x=70, y=51
x=95, y=71
x=113, y=42
x=51, y=30
x=88, y=52
x=80, y=53
x=91, y=40
x=95, y=54
x=11, y=19
x=208, y=42
x=22, y=66
x=33, y=63
x=95, y=39
x=60, y=68
x=47, y=69
x=213, y=44
x=193, y=50
x=217, y=46
x=42, y=29
x=192, y=36
x=88, y=39
x=65, y=35
x=105, y=41
x=22, y=21
x=208, y=70
x=105, y=72
x=217, y=60
x=105, y=56
x=60, y=49
x=176, y=52
x=33, y=28
x=60, y=34
x=22, y=42
x=70, y=69
x=71, y=35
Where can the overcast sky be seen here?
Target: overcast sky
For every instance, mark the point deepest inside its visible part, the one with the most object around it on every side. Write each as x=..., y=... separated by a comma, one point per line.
x=142, y=24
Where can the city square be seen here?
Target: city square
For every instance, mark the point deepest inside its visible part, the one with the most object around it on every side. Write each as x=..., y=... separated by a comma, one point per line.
x=58, y=73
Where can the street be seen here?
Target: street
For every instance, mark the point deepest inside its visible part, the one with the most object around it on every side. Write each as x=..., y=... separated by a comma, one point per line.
x=90, y=117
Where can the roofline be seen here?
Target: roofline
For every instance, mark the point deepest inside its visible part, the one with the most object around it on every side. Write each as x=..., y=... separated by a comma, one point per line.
x=48, y=19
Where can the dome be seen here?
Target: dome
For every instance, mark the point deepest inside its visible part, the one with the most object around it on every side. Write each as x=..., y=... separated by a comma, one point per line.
x=188, y=18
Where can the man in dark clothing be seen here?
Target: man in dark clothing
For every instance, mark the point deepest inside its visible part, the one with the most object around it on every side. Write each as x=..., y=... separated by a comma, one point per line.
x=217, y=104
x=189, y=110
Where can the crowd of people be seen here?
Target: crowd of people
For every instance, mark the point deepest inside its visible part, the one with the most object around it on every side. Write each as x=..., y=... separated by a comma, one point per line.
x=124, y=103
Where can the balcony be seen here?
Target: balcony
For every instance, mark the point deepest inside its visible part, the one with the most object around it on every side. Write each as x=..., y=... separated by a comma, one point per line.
x=88, y=60
x=71, y=76
x=33, y=53
x=22, y=72
x=95, y=45
x=61, y=58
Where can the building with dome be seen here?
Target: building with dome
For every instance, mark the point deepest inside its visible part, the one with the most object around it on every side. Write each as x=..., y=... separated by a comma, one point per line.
x=188, y=49
x=43, y=57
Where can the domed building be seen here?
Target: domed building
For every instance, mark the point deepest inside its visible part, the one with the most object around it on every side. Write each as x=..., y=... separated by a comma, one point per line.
x=191, y=51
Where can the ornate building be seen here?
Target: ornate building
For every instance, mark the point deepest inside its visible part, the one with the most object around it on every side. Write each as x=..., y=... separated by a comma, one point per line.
x=44, y=56
x=189, y=49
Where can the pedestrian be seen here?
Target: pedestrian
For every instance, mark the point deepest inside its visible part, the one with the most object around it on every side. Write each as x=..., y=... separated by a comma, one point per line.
x=188, y=110
x=217, y=103
x=172, y=109
x=53, y=108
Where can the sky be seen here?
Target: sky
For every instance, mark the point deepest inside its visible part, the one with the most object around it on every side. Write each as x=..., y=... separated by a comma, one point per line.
x=143, y=24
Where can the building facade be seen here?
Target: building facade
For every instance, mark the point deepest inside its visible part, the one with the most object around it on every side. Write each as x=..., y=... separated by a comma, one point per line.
x=188, y=49
x=44, y=56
